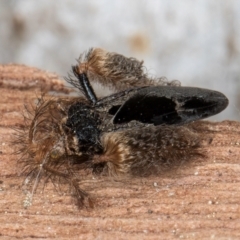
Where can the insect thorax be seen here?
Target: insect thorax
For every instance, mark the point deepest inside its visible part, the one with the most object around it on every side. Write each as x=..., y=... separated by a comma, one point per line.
x=83, y=122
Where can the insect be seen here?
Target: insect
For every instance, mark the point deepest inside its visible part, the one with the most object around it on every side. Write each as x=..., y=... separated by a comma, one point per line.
x=139, y=130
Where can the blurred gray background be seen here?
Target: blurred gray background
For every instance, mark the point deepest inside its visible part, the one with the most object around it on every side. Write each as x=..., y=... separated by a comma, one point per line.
x=196, y=42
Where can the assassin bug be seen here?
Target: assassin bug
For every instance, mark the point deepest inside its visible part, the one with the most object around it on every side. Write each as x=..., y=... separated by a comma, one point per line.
x=141, y=129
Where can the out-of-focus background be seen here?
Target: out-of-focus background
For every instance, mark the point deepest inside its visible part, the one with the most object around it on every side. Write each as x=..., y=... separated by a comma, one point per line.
x=196, y=42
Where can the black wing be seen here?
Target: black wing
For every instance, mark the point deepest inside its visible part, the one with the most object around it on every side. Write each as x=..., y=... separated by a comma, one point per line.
x=169, y=105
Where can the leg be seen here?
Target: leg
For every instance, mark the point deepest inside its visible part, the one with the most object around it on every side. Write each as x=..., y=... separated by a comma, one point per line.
x=80, y=195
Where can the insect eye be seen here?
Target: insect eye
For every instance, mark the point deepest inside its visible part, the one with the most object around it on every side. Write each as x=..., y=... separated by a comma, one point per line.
x=55, y=154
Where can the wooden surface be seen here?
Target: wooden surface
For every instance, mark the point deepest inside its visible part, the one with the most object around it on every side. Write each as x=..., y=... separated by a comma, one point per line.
x=199, y=201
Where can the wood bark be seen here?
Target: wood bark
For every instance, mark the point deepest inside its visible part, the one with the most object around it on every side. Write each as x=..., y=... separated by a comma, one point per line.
x=200, y=200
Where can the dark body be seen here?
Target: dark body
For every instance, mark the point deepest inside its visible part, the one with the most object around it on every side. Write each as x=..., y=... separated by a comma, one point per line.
x=139, y=130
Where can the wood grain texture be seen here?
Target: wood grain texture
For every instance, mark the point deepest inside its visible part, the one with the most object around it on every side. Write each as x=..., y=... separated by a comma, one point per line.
x=199, y=201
